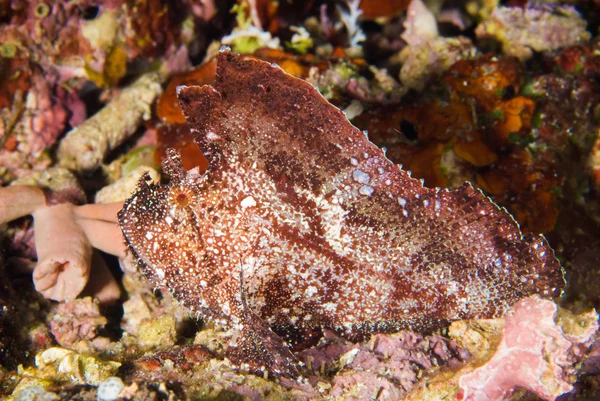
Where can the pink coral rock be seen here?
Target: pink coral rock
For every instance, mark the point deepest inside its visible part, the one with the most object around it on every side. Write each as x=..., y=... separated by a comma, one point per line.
x=388, y=366
x=79, y=319
x=538, y=352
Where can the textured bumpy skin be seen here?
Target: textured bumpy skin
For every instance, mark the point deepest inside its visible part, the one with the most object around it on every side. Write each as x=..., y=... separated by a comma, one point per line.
x=300, y=222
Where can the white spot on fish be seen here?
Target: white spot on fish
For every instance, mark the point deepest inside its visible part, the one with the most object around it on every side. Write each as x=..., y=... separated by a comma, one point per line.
x=361, y=176
x=248, y=202
x=212, y=136
x=366, y=190
x=310, y=291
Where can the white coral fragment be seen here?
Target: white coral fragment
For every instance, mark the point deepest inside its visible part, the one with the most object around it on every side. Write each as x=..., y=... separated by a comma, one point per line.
x=350, y=20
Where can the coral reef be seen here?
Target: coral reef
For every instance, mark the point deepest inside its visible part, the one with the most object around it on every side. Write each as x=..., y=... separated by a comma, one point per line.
x=504, y=95
x=541, y=28
x=388, y=365
x=538, y=347
x=33, y=116
x=427, y=54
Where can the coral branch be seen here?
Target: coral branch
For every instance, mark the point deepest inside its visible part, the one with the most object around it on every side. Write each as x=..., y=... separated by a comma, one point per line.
x=85, y=146
x=58, y=183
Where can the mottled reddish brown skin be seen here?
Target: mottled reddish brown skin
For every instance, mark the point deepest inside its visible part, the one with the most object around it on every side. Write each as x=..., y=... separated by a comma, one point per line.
x=301, y=223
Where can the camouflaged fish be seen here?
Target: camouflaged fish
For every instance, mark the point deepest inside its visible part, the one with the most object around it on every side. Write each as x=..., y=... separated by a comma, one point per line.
x=301, y=223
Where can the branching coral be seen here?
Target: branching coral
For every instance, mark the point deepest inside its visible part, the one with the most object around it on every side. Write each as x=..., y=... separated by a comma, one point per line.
x=350, y=20
x=249, y=35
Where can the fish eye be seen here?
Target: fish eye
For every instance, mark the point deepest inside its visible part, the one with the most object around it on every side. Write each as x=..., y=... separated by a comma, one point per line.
x=181, y=197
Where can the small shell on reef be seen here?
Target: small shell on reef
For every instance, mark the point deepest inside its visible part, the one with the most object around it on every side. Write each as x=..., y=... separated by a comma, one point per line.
x=35, y=393
x=110, y=389
x=76, y=368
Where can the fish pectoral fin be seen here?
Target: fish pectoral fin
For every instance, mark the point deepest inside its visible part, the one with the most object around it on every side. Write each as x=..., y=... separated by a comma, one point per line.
x=258, y=349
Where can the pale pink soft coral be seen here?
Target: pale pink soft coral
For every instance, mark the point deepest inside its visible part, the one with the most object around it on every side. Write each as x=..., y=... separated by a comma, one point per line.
x=535, y=353
x=65, y=235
